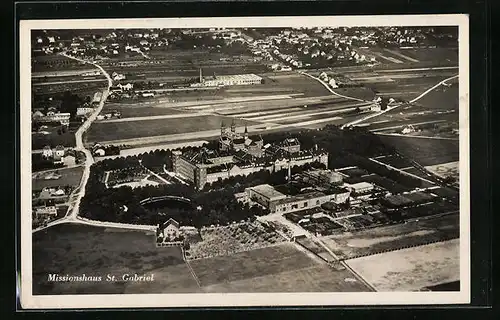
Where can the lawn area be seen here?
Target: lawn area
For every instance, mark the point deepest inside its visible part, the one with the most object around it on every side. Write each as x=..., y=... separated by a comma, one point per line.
x=250, y=264
x=411, y=269
x=348, y=245
x=319, y=278
x=134, y=129
x=69, y=177
x=75, y=250
x=427, y=152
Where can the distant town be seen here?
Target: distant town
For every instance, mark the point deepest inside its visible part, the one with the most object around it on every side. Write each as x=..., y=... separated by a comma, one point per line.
x=247, y=159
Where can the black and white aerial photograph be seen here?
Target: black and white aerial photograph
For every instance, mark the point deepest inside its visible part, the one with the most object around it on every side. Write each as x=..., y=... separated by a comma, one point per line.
x=209, y=160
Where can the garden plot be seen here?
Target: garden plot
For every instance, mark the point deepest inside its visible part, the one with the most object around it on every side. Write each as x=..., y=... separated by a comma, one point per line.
x=226, y=240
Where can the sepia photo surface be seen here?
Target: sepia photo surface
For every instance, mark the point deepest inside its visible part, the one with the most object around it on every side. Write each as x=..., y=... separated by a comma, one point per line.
x=246, y=161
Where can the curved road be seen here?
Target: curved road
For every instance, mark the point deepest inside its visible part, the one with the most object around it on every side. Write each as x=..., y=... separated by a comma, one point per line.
x=444, y=82
x=71, y=215
x=330, y=89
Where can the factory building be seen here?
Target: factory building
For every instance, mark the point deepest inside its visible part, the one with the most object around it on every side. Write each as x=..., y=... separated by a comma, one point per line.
x=278, y=202
x=227, y=80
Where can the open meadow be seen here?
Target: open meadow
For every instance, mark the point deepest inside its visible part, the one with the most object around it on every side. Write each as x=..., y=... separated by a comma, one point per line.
x=94, y=251
x=426, y=152
x=69, y=177
x=348, y=245
x=280, y=268
x=411, y=269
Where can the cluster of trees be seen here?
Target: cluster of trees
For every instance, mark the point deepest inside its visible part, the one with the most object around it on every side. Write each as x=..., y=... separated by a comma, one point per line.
x=70, y=102
x=216, y=204
x=123, y=204
x=156, y=160
x=39, y=163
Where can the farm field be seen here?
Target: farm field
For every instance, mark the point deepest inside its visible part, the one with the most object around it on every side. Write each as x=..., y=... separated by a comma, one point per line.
x=445, y=170
x=427, y=152
x=319, y=278
x=441, y=98
x=371, y=241
x=411, y=269
x=281, y=268
x=249, y=264
x=298, y=83
x=69, y=177
x=131, y=110
x=76, y=250
x=135, y=129
x=442, y=55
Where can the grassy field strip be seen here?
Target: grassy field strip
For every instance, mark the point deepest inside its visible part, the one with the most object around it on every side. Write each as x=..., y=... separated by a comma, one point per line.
x=242, y=99
x=410, y=136
x=292, y=115
x=399, y=54
x=419, y=69
x=399, y=248
x=402, y=171
x=67, y=82
x=412, y=268
x=402, y=125
x=259, y=113
x=166, y=116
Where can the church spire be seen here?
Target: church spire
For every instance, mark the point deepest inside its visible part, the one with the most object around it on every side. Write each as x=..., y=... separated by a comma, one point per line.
x=246, y=131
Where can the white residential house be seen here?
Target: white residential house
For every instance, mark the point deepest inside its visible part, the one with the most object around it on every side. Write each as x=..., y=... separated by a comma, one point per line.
x=69, y=160
x=168, y=231
x=332, y=83
x=125, y=87
x=47, y=152
x=37, y=114
x=59, y=152
x=63, y=118
x=82, y=111
x=99, y=152
x=46, y=211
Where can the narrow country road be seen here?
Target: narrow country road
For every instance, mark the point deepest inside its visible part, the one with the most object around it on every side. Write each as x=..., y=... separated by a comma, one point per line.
x=444, y=82
x=89, y=160
x=330, y=89
x=79, y=192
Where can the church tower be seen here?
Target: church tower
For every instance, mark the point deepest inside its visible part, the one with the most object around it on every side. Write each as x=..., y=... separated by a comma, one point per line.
x=246, y=131
x=222, y=128
x=233, y=127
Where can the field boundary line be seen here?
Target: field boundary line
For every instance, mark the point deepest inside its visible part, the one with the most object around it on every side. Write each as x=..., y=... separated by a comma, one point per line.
x=195, y=277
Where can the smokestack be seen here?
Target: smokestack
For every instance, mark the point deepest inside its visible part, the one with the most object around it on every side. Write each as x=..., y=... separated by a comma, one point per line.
x=201, y=76
x=289, y=172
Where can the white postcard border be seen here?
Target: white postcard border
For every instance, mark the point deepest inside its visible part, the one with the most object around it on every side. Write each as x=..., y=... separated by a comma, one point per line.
x=30, y=301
